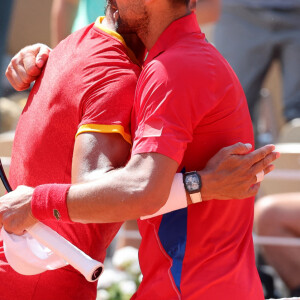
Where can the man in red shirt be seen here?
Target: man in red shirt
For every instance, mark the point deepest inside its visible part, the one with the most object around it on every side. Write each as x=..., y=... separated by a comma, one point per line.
x=171, y=124
x=79, y=107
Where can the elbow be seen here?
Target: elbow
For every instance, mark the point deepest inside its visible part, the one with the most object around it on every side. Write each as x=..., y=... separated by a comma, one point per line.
x=151, y=201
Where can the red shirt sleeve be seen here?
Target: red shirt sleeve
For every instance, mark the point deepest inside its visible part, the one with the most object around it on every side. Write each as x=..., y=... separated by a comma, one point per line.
x=167, y=111
x=106, y=106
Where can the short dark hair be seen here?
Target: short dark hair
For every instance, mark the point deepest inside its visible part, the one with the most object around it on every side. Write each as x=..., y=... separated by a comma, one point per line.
x=185, y=2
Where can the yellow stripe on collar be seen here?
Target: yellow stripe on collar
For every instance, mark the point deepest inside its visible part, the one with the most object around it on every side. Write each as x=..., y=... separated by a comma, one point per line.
x=113, y=33
x=116, y=35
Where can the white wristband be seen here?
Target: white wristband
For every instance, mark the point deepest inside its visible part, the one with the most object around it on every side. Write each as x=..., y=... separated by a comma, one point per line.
x=177, y=198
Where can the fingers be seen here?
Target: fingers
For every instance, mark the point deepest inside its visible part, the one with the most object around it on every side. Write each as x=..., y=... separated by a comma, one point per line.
x=42, y=56
x=253, y=190
x=238, y=148
x=265, y=163
x=26, y=66
x=34, y=58
x=15, y=75
x=269, y=169
x=260, y=153
x=15, y=210
x=28, y=56
x=260, y=176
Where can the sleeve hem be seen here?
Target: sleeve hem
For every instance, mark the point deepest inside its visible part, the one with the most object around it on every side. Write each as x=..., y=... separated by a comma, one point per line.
x=153, y=148
x=105, y=129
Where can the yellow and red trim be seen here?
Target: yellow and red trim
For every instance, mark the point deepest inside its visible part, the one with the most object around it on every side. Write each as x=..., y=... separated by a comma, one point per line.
x=105, y=129
x=116, y=35
x=113, y=33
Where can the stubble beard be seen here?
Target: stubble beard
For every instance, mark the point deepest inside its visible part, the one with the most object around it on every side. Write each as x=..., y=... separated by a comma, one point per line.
x=138, y=26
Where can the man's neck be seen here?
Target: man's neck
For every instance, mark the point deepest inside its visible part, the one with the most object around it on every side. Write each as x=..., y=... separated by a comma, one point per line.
x=159, y=19
x=108, y=22
x=136, y=45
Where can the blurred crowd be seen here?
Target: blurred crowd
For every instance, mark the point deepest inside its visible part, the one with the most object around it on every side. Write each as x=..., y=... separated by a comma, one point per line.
x=252, y=35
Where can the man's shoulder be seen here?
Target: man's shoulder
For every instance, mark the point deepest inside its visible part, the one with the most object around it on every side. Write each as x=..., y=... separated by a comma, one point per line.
x=183, y=64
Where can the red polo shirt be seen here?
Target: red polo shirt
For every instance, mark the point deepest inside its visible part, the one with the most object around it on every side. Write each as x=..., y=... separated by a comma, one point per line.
x=87, y=85
x=189, y=104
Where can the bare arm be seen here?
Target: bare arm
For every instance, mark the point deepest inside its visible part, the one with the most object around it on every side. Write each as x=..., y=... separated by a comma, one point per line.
x=143, y=186
x=98, y=153
x=63, y=13
x=140, y=188
x=94, y=154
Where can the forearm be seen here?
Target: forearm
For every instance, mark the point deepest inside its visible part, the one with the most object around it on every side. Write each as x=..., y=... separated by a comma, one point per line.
x=117, y=196
x=138, y=189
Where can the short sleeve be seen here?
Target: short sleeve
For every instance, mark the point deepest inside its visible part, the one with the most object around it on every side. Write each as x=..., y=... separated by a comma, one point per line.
x=166, y=113
x=107, y=104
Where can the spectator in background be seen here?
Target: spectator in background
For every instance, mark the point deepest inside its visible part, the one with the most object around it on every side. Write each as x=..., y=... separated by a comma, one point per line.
x=278, y=216
x=70, y=15
x=5, y=13
x=251, y=34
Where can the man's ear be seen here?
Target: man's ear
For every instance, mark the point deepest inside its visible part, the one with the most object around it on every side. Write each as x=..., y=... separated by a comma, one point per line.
x=192, y=5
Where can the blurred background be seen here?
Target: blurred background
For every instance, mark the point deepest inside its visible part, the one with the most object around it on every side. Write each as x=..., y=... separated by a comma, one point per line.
x=262, y=43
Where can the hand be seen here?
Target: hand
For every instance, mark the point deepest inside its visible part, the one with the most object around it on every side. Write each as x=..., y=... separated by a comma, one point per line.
x=26, y=66
x=15, y=210
x=231, y=173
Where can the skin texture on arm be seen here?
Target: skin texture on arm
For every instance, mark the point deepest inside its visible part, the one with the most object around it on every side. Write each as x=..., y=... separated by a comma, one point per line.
x=278, y=216
x=94, y=154
x=143, y=186
x=207, y=11
x=63, y=13
x=140, y=188
x=98, y=153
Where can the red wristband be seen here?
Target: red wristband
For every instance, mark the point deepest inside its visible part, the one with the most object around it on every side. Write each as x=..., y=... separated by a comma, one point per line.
x=49, y=202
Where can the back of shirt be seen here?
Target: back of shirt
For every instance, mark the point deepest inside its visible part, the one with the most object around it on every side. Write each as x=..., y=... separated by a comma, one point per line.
x=190, y=104
x=87, y=85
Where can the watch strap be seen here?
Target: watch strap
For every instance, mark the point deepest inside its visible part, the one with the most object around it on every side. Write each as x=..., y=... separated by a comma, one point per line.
x=196, y=197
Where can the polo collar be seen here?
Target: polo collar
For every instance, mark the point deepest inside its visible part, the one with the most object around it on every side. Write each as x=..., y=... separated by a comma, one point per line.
x=117, y=36
x=174, y=32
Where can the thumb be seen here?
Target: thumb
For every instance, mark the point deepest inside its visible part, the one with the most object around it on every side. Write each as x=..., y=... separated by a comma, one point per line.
x=239, y=148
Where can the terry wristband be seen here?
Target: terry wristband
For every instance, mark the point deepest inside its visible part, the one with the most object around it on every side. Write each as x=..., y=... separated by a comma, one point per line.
x=177, y=198
x=49, y=202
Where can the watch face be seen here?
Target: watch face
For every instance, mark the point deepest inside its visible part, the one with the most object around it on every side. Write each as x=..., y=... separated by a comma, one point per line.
x=192, y=183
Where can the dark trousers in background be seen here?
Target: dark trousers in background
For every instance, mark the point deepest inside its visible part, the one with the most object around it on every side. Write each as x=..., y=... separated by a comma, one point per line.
x=251, y=39
x=6, y=7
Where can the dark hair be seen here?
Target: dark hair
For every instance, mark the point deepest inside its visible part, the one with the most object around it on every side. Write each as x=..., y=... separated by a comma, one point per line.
x=185, y=2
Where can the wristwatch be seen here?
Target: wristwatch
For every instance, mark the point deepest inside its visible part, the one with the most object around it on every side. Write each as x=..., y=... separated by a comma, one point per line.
x=193, y=184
